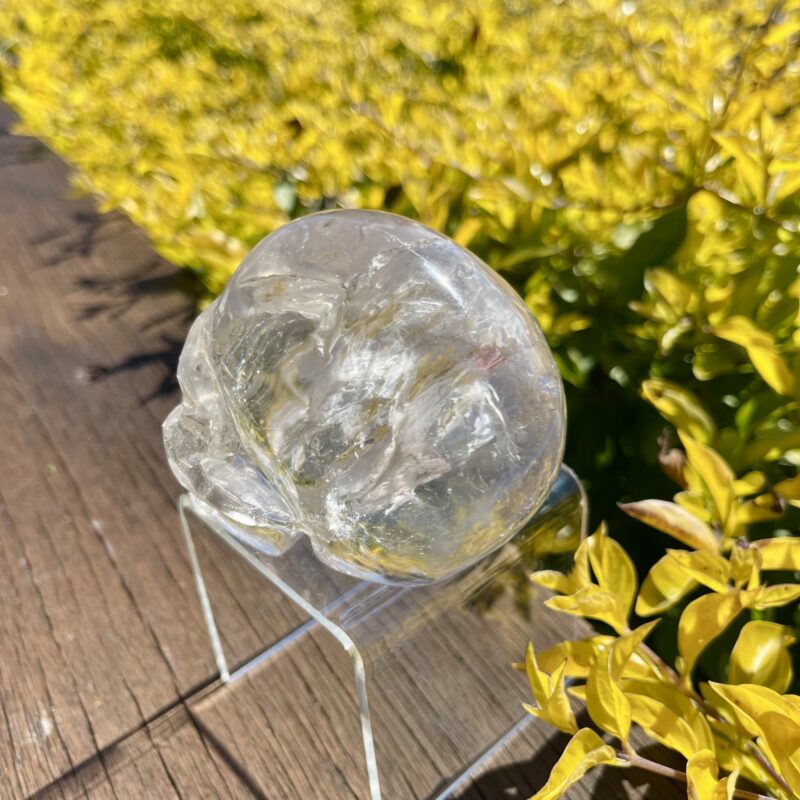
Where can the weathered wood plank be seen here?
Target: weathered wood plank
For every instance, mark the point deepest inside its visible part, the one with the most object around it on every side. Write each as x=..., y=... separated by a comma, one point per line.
x=103, y=628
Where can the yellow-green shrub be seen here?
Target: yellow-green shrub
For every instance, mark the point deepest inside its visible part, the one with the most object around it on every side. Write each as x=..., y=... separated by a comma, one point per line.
x=632, y=167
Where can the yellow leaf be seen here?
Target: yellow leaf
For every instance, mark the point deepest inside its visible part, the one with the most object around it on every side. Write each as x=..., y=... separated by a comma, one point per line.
x=745, y=565
x=675, y=521
x=703, y=620
x=716, y=475
x=774, y=718
x=668, y=715
x=558, y=709
x=580, y=655
x=623, y=648
x=613, y=569
x=583, y=751
x=549, y=693
x=665, y=585
x=746, y=702
x=771, y=445
x=742, y=331
x=579, y=691
x=790, y=490
x=772, y=596
x=593, y=603
x=605, y=701
x=680, y=407
x=772, y=368
x=750, y=484
x=783, y=185
x=540, y=687
x=761, y=351
x=469, y=228
x=664, y=285
x=781, y=553
x=693, y=501
x=780, y=739
x=765, y=507
x=702, y=778
x=761, y=656
x=729, y=747
x=554, y=580
x=748, y=166
x=710, y=569
x=778, y=33
x=578, y=577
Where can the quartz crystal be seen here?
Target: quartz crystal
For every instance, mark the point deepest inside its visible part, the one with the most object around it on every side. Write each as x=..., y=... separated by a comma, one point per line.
x=367, y=382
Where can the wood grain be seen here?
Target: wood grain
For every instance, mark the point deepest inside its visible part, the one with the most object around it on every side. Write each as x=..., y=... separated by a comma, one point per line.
x=107, y=683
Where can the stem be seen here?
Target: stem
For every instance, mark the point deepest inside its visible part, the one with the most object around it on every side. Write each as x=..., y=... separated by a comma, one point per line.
x=683, y=686
x=767, y=767
x=635, y=760
x=675, y=774
x=660, y=663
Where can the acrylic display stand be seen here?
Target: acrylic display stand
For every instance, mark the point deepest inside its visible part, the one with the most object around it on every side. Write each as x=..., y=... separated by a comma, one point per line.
x=435, y=690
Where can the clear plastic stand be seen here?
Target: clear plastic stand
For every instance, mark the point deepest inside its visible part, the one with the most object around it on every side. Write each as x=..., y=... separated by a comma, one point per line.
x=433, y=681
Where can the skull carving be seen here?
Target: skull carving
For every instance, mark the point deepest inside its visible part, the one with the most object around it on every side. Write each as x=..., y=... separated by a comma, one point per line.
x=365, y=381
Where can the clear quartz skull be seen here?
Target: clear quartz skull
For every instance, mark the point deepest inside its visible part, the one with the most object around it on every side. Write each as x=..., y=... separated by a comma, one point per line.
x=367, y=382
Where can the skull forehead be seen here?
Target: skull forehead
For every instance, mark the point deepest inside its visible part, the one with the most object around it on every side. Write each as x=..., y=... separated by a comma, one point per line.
x=383, y=279
x=337, y=245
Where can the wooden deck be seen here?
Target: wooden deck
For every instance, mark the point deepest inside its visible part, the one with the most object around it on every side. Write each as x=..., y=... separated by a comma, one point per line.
x=105, y=666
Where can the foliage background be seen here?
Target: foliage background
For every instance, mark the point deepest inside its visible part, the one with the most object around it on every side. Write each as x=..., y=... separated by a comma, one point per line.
x=633, y=168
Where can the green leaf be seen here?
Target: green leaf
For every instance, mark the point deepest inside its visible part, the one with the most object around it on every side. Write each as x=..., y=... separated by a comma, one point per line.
x=658, y=240
x=708, y=364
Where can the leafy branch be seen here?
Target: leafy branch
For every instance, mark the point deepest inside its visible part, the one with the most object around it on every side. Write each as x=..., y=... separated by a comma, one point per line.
x=746, y=727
